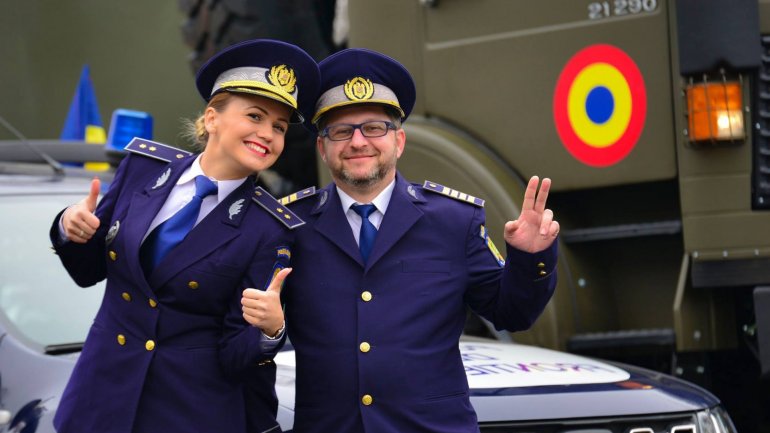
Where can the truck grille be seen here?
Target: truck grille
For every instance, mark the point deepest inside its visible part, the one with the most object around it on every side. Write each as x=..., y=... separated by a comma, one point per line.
x=648, y=424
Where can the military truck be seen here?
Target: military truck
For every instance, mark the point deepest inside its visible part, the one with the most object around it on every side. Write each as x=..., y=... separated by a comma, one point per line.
x=652, y=118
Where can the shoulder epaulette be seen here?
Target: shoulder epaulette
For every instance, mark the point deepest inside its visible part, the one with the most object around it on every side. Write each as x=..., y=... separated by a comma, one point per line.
x=155, y=150
x=299, y=195
x=276, y=209
x=455, y=194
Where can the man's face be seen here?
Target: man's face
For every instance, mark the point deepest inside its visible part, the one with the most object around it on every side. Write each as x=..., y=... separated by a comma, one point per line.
x=362, y=162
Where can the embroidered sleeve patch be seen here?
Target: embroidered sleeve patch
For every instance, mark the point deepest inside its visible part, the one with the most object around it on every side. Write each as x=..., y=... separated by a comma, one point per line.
x=484, y=234
x=284, y=253
x=277, y=267
x=282, y=257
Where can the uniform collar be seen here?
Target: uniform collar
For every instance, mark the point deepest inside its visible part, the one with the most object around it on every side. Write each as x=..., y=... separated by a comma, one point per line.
x=224, y=187
x=380, y=202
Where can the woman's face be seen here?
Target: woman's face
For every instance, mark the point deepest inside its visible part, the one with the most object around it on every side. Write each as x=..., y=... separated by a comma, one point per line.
x=247, y=136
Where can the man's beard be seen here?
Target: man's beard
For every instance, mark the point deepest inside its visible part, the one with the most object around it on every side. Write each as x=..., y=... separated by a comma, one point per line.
x=368, y=180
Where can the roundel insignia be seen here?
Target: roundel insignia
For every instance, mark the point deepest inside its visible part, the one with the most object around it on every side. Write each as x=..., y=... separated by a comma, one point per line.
x=358, y=88
x=599, y=105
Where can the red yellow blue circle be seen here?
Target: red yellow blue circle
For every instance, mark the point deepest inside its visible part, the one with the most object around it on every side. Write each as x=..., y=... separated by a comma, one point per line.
x=599, y=105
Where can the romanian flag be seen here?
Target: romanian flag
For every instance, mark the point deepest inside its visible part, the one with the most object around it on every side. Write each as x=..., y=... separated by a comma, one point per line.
x=83, y=119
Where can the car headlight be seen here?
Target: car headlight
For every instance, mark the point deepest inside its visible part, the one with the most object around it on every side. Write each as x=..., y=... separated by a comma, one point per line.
x=715, y=420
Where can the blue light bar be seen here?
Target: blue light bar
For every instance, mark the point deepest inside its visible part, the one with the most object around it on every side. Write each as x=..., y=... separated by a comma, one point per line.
x=127, y=124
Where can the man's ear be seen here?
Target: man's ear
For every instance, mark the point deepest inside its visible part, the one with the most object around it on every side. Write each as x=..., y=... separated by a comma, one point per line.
x=400, y=141
x=319, y=144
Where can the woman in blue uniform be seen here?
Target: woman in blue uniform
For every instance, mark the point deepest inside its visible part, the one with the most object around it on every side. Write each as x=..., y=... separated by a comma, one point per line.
x=179, y=236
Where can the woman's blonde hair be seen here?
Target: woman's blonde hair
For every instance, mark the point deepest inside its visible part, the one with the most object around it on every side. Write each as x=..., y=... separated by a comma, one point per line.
x=194, y=131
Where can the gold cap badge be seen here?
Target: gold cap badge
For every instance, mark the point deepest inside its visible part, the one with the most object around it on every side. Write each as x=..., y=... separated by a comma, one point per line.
x=282, y=76
x=358, y=89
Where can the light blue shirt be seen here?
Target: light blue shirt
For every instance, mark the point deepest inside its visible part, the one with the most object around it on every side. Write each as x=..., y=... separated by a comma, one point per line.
x=184, y=190
x=380, y=202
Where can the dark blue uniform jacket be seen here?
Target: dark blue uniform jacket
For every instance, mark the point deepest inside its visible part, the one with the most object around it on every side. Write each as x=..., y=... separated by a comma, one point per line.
x=377, y=344
x=171, y=352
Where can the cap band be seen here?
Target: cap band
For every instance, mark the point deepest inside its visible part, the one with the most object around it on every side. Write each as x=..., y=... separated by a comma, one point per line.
x=278, y=80
x=356, y=91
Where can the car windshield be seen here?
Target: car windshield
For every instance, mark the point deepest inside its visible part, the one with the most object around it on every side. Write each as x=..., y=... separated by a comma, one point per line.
x=36, y=293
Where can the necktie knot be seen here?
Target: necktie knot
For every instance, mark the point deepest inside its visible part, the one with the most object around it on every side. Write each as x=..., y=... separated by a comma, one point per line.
x=204, y=187
x=364, y=210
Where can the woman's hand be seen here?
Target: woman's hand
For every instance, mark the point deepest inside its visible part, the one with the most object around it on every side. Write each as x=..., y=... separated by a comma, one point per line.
x=263, y=309
x=78, y=220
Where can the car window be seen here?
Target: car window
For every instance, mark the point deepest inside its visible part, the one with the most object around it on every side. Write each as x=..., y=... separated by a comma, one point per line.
x=36, y=293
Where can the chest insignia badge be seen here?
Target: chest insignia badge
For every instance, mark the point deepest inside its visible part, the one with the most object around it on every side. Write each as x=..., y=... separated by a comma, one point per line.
x=112, y=232
x=235, y=208
x=162, y=179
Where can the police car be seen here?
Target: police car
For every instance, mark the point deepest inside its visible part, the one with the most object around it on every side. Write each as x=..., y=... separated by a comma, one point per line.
x=44, y=317
x=519, y=388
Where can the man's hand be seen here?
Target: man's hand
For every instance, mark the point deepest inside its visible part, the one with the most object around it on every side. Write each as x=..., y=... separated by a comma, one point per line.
x=78, y=220
x=263, y=308
x=535, y=230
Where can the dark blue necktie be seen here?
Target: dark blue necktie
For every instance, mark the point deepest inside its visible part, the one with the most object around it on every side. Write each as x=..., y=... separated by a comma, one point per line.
x=368, y=231
x=172, y=231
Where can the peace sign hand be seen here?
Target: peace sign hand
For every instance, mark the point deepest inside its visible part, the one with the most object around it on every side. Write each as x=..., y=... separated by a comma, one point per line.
x=535, y=230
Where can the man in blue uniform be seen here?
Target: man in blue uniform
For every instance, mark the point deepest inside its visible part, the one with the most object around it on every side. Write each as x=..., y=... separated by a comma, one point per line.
x=384, y=269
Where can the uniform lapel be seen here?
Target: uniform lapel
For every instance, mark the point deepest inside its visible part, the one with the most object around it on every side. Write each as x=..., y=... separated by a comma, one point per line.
x=333, y=224
x=145, y=204
x=218, y=227
x=401, y=215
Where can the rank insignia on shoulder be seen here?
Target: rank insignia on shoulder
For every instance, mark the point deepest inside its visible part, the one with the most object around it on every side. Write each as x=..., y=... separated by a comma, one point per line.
x=276, y=209
x=155, y=150
x=455, y=194
x=299, y=195
x=484, y=234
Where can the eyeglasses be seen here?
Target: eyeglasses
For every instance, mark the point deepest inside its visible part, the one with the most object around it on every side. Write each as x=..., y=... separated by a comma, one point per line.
x=345, y=131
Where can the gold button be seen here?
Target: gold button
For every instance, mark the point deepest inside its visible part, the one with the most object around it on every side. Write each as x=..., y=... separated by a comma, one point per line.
x=193, y=285
x=153, y=304
x=126, y=296
x=366, y=296
x=365, y=347
x=367, y=400
x=149, y=345
x=543, y=273
x=113, y=255
x=121, y=339
x=541, y=265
